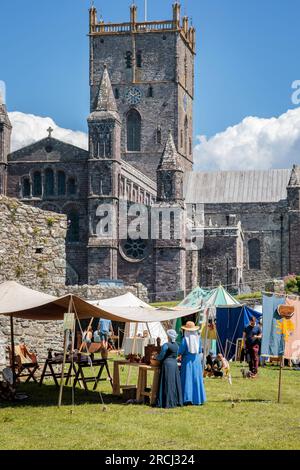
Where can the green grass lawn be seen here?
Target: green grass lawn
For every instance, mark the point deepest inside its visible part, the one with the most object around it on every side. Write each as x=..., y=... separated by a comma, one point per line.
x=255, y=422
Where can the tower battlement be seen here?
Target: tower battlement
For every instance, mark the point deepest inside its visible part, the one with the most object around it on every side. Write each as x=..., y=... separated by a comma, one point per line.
x=188, y=33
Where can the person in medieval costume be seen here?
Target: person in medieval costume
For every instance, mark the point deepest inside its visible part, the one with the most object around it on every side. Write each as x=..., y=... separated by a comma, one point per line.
x=191, y=370
x=170, y=393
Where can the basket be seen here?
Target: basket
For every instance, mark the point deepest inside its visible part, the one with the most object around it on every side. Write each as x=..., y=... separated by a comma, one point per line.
x=286, y=311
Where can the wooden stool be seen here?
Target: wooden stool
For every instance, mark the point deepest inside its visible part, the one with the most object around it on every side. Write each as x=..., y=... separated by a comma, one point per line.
x=142, y=383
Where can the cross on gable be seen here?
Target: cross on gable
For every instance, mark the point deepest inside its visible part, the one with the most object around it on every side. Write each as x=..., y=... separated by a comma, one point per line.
x=50, y=130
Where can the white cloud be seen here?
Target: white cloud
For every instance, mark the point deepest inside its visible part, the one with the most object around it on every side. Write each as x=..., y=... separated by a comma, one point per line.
x=255, y=143
x=28, y=128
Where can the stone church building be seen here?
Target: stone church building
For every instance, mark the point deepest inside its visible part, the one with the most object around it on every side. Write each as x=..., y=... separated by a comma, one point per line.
x=141, y=151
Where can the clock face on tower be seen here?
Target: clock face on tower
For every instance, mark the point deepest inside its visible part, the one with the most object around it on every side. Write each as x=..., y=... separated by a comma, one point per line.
x=133, y=95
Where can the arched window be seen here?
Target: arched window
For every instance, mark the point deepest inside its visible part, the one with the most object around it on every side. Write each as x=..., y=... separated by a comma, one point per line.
x=71, y=186
x=186, y=135
x=158, y=136
x=133, y=131
x=61, y=183
x=26, y=190
x=49, y=182
x=150, y=92
x=73, y=226
x=139, y=59
x=37, y=184
x=117, y=93
x=128, y=59
x=254, y=254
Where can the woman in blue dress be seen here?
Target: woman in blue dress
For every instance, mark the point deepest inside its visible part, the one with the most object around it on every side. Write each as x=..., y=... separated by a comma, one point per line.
x=170, y=393
x=191, y=370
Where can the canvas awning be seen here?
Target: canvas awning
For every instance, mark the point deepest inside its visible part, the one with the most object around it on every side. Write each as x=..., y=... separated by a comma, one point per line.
x=21, y=302
x=196, y=298
x=221, y=298
x=156, y=329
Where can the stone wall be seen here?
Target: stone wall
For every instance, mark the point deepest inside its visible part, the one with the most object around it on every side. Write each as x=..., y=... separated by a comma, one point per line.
x=266, y=222
x=32, y=245
x=221, y=259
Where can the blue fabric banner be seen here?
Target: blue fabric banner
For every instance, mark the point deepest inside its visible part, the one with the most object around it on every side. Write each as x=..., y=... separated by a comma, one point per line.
x=272, y=343
x=230, y=326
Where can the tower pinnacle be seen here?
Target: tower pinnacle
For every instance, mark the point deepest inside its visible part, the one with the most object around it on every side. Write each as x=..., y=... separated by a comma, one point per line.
x=106, y=100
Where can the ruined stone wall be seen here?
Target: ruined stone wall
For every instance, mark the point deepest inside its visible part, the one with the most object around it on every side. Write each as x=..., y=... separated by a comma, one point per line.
x=220, y=260
x=266, y=222
x=32, y=245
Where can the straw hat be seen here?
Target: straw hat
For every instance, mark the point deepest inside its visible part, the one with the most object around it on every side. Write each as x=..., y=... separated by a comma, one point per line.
x=190, y=326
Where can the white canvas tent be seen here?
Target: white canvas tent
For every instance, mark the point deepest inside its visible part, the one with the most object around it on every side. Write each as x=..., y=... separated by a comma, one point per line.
x=19, y=301
x=129, y=300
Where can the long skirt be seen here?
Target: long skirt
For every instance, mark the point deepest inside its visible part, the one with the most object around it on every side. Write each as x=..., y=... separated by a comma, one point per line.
x=192, y=380
x=170, y=394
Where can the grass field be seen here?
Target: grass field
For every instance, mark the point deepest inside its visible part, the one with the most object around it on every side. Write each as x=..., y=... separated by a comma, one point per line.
x=255, y=422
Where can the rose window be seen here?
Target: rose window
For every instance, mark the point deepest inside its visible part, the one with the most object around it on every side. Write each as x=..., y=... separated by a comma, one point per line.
x=134, y=250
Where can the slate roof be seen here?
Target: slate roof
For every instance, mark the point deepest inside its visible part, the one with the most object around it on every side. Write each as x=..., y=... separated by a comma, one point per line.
x=221, y=187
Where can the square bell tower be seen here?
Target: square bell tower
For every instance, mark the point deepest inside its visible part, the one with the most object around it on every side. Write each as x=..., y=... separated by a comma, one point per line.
x=151, y=65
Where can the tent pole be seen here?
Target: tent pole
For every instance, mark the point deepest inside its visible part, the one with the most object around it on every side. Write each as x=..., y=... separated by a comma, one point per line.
x=280, y=380
x=82, y=345
x=132, y=350
x=12, y=346
x=64, y=360
x=205, y=340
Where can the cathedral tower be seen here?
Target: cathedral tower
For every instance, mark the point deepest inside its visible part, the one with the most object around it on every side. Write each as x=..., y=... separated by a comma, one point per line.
x=5, y=136
x=104, y=170
x=293, y=193
x=170, y=215
x=151, y=68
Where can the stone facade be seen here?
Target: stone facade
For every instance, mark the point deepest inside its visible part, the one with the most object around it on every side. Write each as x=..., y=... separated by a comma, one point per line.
x=32, y=245
x=140, y=152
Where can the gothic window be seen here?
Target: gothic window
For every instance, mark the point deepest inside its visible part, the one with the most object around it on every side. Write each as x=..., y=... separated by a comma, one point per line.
x=133, y=131
x=185, y=71
x=104, y=143
x=139, y=59
x=49, y=182
x=71, y=186
x=158, y=136
x=254, y=254
x=134, y=250
x=117, y=93
x=186, y=135
x=128, y=59
x=191, y=150
x=168, y=187
x=61, y=183
x=150, y=92
x=172, y=226
x=26, y=187
x=181, y=138
x=73, y=226
x=37, y=184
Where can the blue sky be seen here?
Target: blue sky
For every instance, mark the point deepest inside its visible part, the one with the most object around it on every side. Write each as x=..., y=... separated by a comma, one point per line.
x=247, y=57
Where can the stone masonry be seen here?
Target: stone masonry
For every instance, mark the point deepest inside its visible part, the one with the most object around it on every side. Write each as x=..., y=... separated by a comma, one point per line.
x=32, y=245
